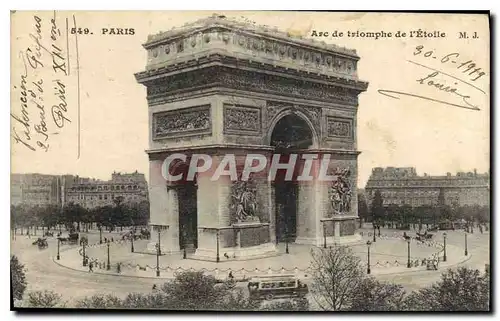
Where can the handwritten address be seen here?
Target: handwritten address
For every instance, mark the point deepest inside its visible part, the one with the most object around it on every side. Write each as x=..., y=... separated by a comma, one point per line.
x=35, y=120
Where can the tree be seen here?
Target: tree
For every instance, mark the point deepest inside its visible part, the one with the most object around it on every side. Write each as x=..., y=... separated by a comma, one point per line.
x=157, y=300
x=377, y=207
x=196, y=291
x=73, y=213
x=44, y=299
x=100, y=301
x=463, y=289
x=406, y=216
x=362, y=209
x=193, y=291
x=372, y=295
x=336, y=275
x=290, y=305
x=18, y=278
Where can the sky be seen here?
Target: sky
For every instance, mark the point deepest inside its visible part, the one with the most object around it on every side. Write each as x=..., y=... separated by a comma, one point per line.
x=112, y=134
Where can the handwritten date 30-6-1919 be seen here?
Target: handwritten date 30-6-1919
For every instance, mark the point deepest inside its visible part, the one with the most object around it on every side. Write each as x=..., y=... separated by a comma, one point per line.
x=458, y=82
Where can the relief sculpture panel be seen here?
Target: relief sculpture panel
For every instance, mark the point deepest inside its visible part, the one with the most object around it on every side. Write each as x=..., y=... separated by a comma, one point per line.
x=241, y=119
x=339, y=127
x=186, y=121
x=243, y=205
x=340, y=191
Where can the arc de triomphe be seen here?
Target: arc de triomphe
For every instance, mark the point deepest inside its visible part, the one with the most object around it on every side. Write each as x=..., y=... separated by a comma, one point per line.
x=217, y=87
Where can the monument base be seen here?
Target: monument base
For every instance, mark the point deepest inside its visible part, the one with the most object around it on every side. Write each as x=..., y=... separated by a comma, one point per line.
x=151, y=248
x=236, y=253
x=330, y=240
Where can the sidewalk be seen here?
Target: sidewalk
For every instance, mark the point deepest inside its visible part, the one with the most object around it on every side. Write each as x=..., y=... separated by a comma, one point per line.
x=297, y=262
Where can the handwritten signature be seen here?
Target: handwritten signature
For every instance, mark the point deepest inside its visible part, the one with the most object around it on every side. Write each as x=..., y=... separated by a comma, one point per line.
x=443, y=82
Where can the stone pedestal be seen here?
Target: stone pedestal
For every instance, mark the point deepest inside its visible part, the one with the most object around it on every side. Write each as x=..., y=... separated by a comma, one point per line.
x=240, y=241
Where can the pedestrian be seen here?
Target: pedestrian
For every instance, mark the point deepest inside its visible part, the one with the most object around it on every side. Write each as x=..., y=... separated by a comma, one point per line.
x=154, y=287
x=112, y=240
x=105, y=240
x=230, y=276
x=91, y=267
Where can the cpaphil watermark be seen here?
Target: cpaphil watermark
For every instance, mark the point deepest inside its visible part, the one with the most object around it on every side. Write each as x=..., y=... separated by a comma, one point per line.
x=285, y=167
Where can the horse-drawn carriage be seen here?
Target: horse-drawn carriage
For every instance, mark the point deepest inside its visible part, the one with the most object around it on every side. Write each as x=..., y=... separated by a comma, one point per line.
x=424, y=236
x=143, y=234
x=41, y=243
x=71, y=239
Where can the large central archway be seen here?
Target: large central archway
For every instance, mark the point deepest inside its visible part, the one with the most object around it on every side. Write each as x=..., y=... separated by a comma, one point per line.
x=291, y=134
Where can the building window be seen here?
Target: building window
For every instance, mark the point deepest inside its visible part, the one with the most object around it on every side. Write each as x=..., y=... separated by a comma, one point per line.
x=100, y=197
x=105, y=197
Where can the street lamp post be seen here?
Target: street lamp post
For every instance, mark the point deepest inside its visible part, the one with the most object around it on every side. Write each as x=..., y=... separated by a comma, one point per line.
x=374, y=231
x=84, y=261
x=368, y=270
x=132, y=244
x=58, y=255
x=184, y=254
x=286, y=239
x=444, y=248
x=158, y=258
x=324, y=235
x=466, y=252
x=100, y=234
x=409, y=263
x=159, y=244
x=108, y=266
x=217, y=257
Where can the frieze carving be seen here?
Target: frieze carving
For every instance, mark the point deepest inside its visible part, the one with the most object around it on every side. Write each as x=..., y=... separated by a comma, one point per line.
x=243, y=205
x=253, y=81
x=192, y=120
x=340, y=192
x=339, y=127
x=308, y=57
x=327, y=62
x=241, y=119
x=287, y=87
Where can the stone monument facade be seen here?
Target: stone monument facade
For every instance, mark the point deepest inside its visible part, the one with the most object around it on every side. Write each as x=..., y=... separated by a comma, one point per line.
x=219, y=86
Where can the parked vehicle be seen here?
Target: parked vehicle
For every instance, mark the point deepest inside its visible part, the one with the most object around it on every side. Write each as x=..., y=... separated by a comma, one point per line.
x=276, y=287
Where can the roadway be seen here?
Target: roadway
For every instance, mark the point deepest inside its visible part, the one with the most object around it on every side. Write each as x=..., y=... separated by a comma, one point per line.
x=44, y=274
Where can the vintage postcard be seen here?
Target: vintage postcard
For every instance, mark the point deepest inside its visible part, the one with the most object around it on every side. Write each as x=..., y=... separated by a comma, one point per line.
x=250, y=161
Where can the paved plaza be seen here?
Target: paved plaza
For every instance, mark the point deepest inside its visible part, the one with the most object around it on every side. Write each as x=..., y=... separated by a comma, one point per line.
x=389, y=254
x=68, y=277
